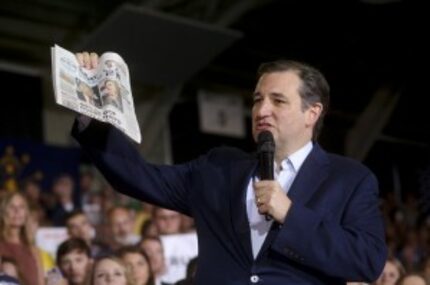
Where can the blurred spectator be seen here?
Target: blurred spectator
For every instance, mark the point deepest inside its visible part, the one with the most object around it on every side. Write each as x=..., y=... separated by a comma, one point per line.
x=148, y=229
x=138, y=261
x=32, y=192
x=74, y=260
x=166, y=221
x=393, y=271
x=121, y=228
x=15, y=239
x=111, y=270
x=411, y=254
x=86, y=186
x=63, y=190
x=410, y=208
x=143, y=215
x=153, y=247
x=79, y=226
x=108, y=198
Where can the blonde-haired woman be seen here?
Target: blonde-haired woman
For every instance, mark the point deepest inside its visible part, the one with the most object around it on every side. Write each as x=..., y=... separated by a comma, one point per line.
x=392, y=272
x=110, y=270
x=15, y=239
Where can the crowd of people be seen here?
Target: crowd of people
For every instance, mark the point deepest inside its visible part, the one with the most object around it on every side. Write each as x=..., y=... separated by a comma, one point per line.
x=115, y=239
x=111, y=238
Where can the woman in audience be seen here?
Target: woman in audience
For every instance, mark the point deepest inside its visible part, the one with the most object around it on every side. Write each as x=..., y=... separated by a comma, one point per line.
x=153, y=248
x=111, y=270
x=138, y=262
x=148, y=229
x=15, y=239
x=392, y=272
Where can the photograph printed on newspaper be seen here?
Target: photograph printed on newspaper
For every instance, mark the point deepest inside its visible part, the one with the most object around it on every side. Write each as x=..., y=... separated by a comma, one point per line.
x=103, y=94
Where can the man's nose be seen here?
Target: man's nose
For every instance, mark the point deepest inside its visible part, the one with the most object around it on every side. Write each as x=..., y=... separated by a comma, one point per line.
x=264, y=108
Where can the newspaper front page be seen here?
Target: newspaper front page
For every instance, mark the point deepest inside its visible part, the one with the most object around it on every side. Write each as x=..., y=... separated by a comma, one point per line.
x=103, y=94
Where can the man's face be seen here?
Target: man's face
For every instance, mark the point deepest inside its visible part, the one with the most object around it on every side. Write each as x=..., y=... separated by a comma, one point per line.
x=121, y=224
x=278, y=108
x=75, y=267
x=167, y=221
x=80, y=227
x=63, y=188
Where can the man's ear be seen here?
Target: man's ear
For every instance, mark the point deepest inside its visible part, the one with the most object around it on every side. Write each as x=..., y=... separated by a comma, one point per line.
x=313, y=113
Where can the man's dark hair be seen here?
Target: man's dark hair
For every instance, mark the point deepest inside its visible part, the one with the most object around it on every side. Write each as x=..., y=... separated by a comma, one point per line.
x=72, y=244
x=314, y=87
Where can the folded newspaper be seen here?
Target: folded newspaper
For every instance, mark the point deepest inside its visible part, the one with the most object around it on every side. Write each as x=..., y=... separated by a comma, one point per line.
x=103, y=94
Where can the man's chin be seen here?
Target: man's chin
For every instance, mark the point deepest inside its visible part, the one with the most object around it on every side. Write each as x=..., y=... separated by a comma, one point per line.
x=256, y=131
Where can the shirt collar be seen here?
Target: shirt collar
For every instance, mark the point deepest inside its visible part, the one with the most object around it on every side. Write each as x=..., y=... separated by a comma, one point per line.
x=296, y=159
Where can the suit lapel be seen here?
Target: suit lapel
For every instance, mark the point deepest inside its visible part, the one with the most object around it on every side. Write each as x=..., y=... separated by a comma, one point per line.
x=242, y=174
x=312, y=173
x=302, y=189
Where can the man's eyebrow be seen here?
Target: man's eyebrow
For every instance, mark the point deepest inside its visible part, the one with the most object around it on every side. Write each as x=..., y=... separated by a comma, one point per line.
x=277, y=95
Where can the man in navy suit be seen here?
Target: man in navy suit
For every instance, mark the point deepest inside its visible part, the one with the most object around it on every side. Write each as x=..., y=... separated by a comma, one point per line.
x=326, y=227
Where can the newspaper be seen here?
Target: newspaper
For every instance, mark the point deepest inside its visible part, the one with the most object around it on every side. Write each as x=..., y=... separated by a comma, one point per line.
x=103, y=94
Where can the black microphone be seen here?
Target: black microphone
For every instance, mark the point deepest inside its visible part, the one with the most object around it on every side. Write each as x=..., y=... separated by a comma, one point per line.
x=266, y=153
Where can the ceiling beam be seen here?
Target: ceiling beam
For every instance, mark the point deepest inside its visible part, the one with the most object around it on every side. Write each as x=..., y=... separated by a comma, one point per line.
x=30, y=30
x=237, y=10
x=35, y=13
x=369, y=126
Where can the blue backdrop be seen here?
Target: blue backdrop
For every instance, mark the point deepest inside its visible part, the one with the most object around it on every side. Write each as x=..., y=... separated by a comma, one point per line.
x=21, y=159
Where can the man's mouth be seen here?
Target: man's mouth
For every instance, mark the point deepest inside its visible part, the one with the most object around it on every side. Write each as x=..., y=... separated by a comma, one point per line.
x=263, y=126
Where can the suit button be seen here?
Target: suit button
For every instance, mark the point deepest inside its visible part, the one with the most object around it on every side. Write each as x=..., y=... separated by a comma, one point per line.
x=254, y=279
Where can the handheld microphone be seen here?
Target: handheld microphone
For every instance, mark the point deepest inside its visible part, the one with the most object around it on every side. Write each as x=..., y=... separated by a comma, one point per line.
x=266, y=153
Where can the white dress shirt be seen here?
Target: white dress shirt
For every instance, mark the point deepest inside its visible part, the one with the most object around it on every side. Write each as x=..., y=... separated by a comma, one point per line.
x=285, y=176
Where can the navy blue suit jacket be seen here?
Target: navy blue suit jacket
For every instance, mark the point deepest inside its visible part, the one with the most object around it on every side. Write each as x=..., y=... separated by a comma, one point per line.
x=333, y=232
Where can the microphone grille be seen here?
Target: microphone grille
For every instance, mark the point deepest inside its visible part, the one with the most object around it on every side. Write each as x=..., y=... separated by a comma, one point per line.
x=265, y=142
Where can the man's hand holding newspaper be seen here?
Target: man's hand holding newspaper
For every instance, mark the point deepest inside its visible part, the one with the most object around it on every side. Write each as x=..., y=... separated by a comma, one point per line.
x=96, y=87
